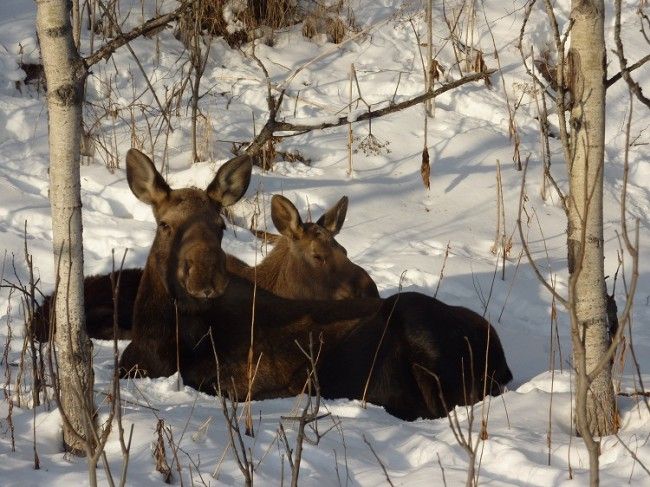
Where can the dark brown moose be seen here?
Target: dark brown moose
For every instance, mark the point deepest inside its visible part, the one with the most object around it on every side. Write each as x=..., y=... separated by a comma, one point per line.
x=410, y=353
x=98, y=306
x=305, y=263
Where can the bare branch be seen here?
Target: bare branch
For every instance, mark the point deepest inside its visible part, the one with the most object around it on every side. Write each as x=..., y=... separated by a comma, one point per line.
x=391, y=108
x=113, y=45
x=137, y=61
x=381, y=464
x=560, y=42
x=631, y=68
x=524, y=244
x=272, y=126
x=625, y=72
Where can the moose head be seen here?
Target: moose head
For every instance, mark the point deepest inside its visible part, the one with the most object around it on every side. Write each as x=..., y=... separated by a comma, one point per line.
x=186, y=253
x=318, y=264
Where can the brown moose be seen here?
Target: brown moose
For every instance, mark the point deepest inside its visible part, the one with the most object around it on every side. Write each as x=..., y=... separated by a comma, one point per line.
x=410, y=353
x=306, y=263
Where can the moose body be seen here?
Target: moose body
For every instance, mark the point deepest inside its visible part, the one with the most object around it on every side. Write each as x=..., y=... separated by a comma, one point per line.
x=98, y=306
x=410, y=353
x=420, y=337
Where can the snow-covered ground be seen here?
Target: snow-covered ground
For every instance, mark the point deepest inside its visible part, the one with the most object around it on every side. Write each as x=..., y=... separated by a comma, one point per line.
x=394, y=228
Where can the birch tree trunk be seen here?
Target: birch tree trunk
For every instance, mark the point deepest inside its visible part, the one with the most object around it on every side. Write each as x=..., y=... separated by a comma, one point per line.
x=596, y=412
x=65, y=73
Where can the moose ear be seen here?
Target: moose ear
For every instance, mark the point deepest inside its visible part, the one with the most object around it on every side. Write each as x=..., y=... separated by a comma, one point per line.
x=145, y=181
x=285, y=217
x=231, y=181
x=333, y=218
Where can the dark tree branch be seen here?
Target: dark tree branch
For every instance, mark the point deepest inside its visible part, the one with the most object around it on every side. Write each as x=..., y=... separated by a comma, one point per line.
x=625, y=71
x=631, y=68
x=272, y=125
x=391, y=108
x=113, y=45
x=121, y=35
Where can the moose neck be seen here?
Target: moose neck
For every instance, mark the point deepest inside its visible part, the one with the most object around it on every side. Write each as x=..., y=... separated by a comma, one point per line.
x=270, y=274
x=152, y=303
x=274, y=269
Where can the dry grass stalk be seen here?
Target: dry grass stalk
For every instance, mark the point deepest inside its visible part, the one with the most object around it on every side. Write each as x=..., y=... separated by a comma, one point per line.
x=430, y=71
x=452, y=25
x=7, y=385
x=350, y=134
x=329, y=21
x=335, y=30
x=425, y=168
x=442, y=270
x=205, y=136
x=502, y=243
x=551, y=358
x=159, y=453
x=309, y=416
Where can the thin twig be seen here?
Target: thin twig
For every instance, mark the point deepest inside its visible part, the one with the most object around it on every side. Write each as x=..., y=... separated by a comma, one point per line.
x=381, y=464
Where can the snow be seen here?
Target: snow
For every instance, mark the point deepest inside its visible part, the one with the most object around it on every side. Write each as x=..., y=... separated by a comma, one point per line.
x=395, y=229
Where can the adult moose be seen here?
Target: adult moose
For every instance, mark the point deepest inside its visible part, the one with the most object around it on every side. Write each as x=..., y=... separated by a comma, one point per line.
x=306, y=263
x=410, y=353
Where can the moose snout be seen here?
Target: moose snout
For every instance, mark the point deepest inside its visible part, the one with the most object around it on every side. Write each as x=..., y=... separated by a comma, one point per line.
x=202, y=272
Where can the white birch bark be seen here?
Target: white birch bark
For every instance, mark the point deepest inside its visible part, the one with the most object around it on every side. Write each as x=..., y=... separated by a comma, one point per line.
x=65, y=74
x=587, y=290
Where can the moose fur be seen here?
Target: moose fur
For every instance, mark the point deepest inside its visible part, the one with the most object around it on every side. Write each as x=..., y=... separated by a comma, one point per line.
x=411, y=353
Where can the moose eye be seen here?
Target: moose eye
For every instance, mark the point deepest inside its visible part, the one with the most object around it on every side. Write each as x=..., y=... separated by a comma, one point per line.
x=164, y=226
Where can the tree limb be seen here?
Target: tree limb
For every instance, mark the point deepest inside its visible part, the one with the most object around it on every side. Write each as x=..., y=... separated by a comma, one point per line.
x=524, y=244
x=625, y=71
x=272, y=126
x=631, y=68
x=113, y=45
x=391, y=108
